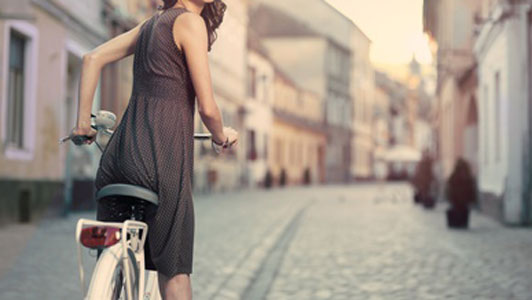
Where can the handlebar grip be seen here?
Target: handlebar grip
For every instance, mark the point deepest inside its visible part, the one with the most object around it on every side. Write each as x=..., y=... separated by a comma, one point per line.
x=78, y=140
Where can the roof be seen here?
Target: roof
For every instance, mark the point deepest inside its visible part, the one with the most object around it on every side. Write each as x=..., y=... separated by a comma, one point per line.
x=268, y=21
x=254, y=43
x=349, y=19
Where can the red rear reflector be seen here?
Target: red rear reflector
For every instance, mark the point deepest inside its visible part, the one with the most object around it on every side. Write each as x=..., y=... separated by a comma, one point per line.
x=98, y=237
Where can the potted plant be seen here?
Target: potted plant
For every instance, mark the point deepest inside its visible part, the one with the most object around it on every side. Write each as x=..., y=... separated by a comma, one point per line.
x=282, y=177
x=268, y=179
x=461, y=192
x=306, y=177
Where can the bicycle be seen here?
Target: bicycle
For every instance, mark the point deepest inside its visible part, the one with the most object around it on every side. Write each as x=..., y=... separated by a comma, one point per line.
x=120, y=271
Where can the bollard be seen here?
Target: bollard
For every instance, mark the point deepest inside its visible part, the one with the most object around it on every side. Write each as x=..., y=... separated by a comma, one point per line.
x=24, y=206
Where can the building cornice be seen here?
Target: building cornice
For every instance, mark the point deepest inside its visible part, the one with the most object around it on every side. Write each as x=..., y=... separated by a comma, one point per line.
x=491, y=29
x=70, y=21
x=298, y=121
x=112, y=15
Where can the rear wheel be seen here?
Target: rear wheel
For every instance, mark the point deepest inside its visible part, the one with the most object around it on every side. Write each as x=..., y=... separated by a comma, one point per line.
x=118, y=284
x=108, y=279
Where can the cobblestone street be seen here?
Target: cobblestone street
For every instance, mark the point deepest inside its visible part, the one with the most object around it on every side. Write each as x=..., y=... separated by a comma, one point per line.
x=361, y=242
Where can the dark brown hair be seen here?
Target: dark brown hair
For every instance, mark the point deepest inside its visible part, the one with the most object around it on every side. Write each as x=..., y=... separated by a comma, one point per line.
x=212, y=14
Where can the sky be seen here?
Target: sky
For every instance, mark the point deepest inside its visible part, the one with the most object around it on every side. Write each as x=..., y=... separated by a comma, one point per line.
x=394, y=26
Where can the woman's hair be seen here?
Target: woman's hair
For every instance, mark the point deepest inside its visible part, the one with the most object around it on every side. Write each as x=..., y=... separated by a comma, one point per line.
x=212, y=14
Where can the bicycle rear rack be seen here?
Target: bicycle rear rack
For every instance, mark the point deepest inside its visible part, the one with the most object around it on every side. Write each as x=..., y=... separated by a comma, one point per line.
x=129, y=226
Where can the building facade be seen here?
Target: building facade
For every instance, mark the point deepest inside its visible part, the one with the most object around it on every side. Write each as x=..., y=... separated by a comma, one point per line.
x=297, y=148
x=503, y=54
x=41, y=46
x=484, y=87
x=258, y=111
x=381, y=124
x=323, y=68
x=228, y=62
x=363, y=144
x=451, y=24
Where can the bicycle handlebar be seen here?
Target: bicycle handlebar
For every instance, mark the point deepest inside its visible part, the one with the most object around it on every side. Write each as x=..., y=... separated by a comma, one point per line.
x=202, y=136
x=106, y=120
x=80, y=139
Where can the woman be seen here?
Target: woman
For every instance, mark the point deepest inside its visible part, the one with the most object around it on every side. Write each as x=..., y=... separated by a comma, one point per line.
x=153, y=144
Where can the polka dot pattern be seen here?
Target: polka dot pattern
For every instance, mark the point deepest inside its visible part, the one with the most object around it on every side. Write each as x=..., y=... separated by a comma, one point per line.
x=153, y=144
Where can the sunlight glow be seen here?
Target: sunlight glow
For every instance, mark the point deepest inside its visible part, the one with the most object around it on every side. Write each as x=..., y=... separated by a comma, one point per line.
x=394, y=26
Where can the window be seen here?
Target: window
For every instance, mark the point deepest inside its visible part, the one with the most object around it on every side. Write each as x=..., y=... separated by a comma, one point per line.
x=252, y=82
x=292, y=152
x=345, y=152
x=15, y=91
x=265, y=88
x=18, y=93
x=278, y=151
x=299, y=154
x=265, y=146
x=252, y=149
x=310, y=158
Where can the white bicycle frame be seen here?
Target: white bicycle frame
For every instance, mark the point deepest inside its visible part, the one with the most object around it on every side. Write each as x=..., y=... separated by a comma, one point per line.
x=104, y=120
x=119, y=250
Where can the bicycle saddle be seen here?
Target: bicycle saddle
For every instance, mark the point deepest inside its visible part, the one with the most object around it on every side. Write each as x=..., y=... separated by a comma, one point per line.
x=129, y=190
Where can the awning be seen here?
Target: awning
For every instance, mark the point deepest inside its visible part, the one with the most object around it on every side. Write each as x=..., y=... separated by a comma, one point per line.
x=402, y=153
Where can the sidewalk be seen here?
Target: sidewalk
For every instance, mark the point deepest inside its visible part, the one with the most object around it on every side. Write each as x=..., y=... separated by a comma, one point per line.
x=13, y=238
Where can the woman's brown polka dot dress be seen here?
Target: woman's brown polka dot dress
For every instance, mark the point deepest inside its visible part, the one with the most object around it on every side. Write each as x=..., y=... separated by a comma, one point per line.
x=153, y=144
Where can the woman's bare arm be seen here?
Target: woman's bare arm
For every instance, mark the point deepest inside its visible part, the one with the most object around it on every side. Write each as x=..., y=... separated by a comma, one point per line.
x=190, y=35
x=115, y=49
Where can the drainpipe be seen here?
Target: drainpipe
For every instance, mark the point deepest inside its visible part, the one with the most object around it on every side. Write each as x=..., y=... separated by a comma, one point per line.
x=527, y=199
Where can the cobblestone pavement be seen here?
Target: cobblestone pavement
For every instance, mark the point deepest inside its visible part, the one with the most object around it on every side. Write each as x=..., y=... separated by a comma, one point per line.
x=373, y=243
x=336, y=242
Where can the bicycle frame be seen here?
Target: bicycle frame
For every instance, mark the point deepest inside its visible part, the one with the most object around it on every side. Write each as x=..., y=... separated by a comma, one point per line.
x=135, y=243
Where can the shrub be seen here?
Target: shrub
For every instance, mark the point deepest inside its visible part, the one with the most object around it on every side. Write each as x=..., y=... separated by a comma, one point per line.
x=461, y=186
x=306, y=176
x=282, y=178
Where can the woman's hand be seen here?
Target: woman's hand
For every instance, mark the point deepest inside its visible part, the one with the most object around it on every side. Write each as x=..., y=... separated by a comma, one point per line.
x=231, y=138
x=232, y=135
x=88, y=131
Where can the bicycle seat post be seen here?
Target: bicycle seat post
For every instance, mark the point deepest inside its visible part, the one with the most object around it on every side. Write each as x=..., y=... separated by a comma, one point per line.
x=133, y=212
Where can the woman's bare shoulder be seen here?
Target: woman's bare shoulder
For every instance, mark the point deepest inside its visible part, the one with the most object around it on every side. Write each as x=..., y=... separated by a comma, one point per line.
x=188, y=22
x=189, y=27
